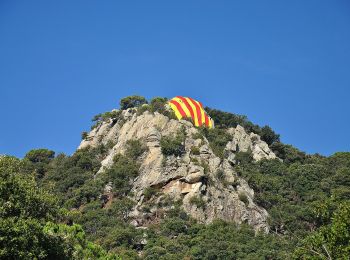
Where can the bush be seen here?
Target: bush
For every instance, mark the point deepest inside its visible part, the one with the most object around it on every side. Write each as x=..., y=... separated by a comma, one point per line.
x=244, y=157
x=132, y=101
x=135, y=148
x=158, y=105
x=149, y=192
x=218, y=138
x=268, y=135
x=195, y=150
x=114, y=115
x=173, y=145
x=288, y=153
x=84, y=135
x=198, y=201
x=226, y=120
x=142, y=109
x=40, y=155
x=220, y=175
x=123, y=170
x=243, y=197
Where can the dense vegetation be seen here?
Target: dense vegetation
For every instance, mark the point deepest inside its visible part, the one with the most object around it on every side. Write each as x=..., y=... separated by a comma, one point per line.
x=56, y=207
x=31, y=221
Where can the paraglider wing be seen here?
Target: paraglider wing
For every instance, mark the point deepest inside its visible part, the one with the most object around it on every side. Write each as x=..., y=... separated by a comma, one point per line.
x=186, y=107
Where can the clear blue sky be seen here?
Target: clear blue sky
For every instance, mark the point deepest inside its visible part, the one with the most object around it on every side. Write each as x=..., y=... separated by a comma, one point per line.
x=281, y=63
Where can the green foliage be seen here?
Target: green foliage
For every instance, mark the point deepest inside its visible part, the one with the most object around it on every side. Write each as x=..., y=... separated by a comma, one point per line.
x=291, y=192
x=123, y=170
x=244, y=157
x=135, y=148
x=27, y=212
x=40, y=155
x=157, y=104
x=72, y=178
x=198, y=201
x=142, y=109
x=132, y=101
x=306, y=197
x=226, y=120
x=195, y=150
x=84, y=135
x=243, y=197
x=149, y=192
x=112, y=116
x=288, y=153
x=37, y=161
x=330, y=241
x=220, y=175
x=173, y=145
x=181, y=238
x=268, y=135
x=218, y=138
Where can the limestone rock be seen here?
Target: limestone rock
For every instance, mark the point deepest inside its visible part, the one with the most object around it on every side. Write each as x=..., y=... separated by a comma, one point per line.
x=187, y=176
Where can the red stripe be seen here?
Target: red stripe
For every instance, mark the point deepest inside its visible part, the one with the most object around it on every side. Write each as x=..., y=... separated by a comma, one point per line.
x=206, y=119
x=188, y=106
x=199, y=113
x=178, y=106
x=200, y=103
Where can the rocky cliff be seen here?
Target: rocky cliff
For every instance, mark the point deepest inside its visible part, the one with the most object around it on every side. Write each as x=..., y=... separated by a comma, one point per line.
x=206, y=185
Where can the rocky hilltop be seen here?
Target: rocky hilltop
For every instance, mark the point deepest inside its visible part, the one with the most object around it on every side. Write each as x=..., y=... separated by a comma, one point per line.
x=206, y=185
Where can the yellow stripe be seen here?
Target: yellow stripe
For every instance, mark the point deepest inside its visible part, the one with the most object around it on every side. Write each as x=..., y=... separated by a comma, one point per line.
x=195, y=119
x=177, y=113
x=184, y=107
x=211, y=123
x=202, y=112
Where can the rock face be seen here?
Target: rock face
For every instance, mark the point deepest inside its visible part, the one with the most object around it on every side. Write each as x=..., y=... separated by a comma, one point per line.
x=206, y=185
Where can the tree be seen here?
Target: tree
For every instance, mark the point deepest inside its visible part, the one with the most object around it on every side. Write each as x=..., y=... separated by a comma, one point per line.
x=268, y=135
x=331, y=241
x=27, y=221
x=132, y=101
x=40, y=155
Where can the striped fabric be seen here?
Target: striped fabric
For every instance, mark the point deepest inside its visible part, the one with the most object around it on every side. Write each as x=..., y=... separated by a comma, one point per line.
x=186, y=107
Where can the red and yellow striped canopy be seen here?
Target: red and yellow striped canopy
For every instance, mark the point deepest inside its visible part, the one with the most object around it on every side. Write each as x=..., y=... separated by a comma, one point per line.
x=186, y=107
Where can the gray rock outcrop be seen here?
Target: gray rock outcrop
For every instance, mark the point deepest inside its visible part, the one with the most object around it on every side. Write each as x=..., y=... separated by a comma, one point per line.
x=192, y=178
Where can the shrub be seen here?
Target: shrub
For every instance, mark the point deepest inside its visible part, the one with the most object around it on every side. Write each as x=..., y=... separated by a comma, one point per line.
x=268, y=135
x=135, y=148
x=132, y=101
x=114, y=115
x=226, y=120
x=149, y=192
x=244, y=157
x=142, y=109
x=288, y=153
x=198, y=201
x=173, y=145
x=84, y=135
x=123, y=170
x=195, y=150
x=243, y=197
x=205, y=167
x=218, y=138
x=220, y=175
x=40, y=155
x=158, y=104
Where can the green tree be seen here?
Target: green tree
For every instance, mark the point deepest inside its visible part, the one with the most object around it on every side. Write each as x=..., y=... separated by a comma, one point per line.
x=132, y=101
x=27, y=215
x=331, y=241
x=173, y=145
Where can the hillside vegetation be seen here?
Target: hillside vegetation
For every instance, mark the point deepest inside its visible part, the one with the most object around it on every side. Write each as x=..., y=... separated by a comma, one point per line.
x=56, y=207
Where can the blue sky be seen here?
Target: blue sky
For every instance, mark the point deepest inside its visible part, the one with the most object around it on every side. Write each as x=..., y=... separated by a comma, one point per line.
x=281, y=63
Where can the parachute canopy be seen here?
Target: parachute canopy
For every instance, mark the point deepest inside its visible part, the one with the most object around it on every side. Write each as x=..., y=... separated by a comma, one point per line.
x=186, y=107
